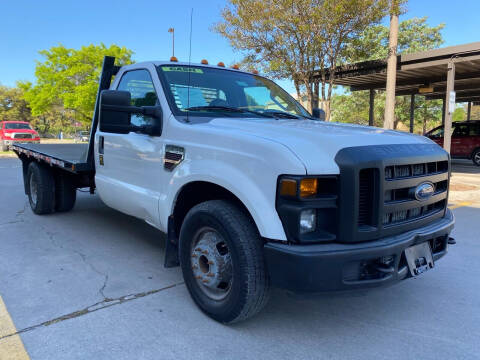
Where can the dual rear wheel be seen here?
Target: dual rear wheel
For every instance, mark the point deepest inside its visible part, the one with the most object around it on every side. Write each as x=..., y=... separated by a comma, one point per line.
x=49, y=192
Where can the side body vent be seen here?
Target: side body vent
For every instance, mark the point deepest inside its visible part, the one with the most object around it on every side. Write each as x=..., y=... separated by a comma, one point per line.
x=174, y=155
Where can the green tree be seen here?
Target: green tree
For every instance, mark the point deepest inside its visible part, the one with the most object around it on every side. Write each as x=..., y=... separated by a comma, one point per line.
x=297, y=39
x=13, y=106
x=414, y=35
x=67, y=81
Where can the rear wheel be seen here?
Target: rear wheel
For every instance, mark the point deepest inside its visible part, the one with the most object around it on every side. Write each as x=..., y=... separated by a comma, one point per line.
x=476, y=157
x=221, y=255
x=41, y=189
x=65, y=193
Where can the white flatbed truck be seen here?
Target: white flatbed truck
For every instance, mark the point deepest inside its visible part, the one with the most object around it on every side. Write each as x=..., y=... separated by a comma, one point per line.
x=251, y=190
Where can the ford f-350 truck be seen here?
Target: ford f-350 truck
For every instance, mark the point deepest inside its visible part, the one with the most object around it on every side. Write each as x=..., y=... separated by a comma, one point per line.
x=251, y=190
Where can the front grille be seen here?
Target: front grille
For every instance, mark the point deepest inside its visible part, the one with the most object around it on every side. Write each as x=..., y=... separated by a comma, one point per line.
x=401, y=181
x=22, y=136
x=412, y=214
x=379, y=189
x=404, y=171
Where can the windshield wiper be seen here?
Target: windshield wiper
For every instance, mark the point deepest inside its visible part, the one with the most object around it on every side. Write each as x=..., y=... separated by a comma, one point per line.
x=226, y=108
x=281, y=114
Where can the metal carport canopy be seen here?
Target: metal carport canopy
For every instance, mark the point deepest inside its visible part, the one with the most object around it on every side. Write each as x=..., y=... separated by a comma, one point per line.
x=424, y=73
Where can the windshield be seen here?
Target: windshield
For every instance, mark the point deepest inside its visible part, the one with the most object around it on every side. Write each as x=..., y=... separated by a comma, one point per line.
x=232, y=93
x=17, y=126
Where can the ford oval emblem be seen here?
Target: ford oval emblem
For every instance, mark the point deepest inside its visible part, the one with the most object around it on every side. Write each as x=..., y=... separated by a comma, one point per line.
x=424, y=191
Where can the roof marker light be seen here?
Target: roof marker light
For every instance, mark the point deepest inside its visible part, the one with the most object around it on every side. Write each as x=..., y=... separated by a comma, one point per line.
x=204, y=62
x=255, y=72
x=235, y=66
x=173, y=59
x=221, y=64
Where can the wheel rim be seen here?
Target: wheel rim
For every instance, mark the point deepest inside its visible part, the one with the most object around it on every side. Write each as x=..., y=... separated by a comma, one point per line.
x=476, y=157
x=33, y=190
x=211, y=263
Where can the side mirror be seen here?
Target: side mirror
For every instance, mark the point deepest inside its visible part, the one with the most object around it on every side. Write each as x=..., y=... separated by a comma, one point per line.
x=116, y=110
x=318, y=114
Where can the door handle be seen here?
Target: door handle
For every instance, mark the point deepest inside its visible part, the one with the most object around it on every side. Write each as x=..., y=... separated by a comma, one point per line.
x=101, y=142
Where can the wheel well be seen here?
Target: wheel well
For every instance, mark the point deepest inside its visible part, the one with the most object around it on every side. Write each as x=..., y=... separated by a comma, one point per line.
x=197, y=192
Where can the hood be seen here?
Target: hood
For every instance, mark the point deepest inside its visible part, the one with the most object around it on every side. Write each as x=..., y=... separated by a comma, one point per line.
x=316, y=143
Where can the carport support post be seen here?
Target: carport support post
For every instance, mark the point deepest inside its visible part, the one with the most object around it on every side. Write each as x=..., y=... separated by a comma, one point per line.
x=443, y=112
x=412, y=111
x=371, y=109
x=447, y=137
x=469, y=110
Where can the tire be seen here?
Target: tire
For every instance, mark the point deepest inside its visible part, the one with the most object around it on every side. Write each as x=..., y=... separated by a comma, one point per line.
x=65, y=193
x=41, y=189
x=476, y=157
x=243, y=287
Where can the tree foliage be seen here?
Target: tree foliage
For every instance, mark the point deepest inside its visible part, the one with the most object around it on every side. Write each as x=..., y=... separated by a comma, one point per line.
x=414, y=35
x=67, y=80
x=13, y=106
x=297, y=38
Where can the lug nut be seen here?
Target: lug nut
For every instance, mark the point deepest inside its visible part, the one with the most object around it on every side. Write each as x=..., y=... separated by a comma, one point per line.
x=205, y=281
x=198, y=277
x=194, y=255
x=205, y=252
x=198, y=249
x=210, y=275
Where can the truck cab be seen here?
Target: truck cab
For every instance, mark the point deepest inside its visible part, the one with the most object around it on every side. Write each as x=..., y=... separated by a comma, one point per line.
x=253, y=191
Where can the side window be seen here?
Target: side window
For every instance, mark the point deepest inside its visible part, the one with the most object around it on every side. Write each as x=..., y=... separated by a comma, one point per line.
x=461, y=130
x=140, y=85
x=475, y=129
x=437, y=133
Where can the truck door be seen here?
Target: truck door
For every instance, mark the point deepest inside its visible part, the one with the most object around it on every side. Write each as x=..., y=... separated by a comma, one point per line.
x=129, y=176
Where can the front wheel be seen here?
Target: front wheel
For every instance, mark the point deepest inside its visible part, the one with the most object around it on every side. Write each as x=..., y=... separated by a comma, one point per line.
x=476, y=157
x=221, y=255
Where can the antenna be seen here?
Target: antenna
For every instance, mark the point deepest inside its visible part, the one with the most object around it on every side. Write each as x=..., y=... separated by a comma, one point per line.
x=189, y=63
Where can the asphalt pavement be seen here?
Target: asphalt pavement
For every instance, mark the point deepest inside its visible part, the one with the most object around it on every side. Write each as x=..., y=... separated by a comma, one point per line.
x=90, y=284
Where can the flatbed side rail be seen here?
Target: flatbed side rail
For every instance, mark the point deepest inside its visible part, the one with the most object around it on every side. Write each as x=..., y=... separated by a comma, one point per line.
x=52, y=161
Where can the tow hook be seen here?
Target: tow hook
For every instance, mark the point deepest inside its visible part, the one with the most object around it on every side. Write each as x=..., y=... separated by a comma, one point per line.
x=451, y=241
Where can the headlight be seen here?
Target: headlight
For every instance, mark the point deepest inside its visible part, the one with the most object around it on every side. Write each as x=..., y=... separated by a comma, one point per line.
x=308, y=221
x=307, y=206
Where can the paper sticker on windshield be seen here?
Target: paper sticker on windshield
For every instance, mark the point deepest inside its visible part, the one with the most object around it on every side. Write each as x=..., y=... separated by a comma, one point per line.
x=182, y=69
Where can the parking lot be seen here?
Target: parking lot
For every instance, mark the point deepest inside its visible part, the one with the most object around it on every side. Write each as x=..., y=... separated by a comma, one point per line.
x=90, y=284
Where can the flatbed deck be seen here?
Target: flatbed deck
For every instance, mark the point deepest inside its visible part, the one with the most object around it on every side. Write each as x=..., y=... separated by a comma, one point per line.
x=72, y=157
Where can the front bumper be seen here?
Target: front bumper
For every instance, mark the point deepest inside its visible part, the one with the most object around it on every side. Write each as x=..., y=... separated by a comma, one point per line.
x=336, y=266
x=19, y=141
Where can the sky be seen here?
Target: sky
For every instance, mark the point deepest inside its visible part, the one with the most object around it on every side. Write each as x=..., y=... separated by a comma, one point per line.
x=141, y=25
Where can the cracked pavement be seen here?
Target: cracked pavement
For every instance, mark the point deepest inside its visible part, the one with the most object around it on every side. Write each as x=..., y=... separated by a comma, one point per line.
x=90, y=284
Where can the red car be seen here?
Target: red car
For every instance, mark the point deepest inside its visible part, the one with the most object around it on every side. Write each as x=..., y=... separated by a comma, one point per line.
x=465, y=140
x=16, y=132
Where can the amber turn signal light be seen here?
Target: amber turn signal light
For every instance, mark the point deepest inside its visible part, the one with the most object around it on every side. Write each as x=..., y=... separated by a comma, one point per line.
x=288, y=187
x=308, y=187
